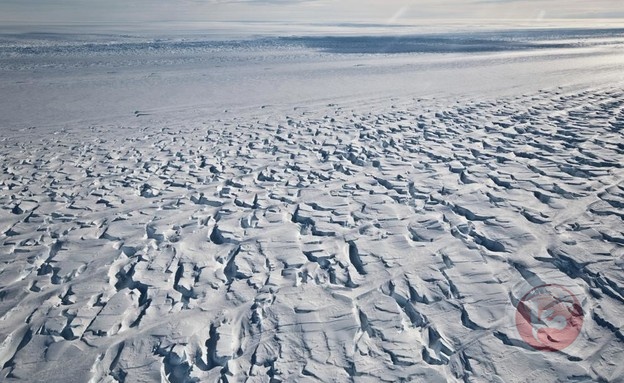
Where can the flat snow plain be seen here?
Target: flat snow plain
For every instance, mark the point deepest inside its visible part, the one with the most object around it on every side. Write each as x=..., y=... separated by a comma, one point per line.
x=308, y=208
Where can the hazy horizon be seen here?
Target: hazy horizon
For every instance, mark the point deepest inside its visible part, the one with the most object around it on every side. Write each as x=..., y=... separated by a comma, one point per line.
x=389, y=12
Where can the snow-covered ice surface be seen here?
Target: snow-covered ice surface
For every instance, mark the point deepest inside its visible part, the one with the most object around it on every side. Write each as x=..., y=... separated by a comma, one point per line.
x=346, y=208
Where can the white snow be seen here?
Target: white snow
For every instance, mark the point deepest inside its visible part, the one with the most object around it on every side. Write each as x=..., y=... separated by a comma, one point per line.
x=311, y=208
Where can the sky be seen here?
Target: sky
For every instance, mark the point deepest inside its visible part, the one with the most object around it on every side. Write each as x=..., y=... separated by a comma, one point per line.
x=302, y=11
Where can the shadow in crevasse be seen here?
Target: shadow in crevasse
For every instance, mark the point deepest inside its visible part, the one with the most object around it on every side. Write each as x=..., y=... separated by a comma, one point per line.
x=459, y=43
